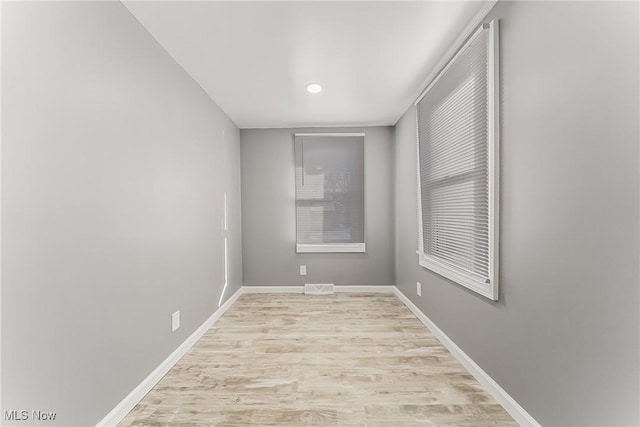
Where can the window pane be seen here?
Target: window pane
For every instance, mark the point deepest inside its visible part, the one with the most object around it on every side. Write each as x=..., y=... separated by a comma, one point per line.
x=454, y=149
x=330, y=189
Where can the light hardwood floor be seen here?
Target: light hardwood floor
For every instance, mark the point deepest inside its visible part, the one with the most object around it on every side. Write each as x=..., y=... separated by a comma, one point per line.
x=338, y=360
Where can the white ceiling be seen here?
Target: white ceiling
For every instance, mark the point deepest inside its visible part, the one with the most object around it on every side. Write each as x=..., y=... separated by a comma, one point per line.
x=255, y=58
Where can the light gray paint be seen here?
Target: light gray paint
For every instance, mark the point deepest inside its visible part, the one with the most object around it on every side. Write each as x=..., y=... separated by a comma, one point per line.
x=268, y=215
x=113, y=172
x=563, y=338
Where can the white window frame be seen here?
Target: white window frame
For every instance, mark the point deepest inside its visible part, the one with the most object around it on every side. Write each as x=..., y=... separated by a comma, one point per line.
x=487, y=289
x=302, y=248
x=331, y=248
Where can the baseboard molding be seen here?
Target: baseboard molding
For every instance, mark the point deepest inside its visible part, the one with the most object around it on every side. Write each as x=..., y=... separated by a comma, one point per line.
x=131, y=400
x=363, y=288
x=300, y=289
x=272, y=289
x=514, y=409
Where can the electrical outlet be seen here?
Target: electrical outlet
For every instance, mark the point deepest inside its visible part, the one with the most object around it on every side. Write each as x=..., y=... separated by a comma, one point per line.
x=419, y=288
x=175, y=321
x=303, y=270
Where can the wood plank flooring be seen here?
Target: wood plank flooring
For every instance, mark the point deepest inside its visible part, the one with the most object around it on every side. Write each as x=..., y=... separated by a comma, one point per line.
x=337, y=360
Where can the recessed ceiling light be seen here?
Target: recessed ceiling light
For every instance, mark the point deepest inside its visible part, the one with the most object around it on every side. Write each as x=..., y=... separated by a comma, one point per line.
x=314, y=88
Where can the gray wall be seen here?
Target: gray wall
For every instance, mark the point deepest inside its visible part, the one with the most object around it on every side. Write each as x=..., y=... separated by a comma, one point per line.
x=563, y=338
x=113, y=170
x=269, y=221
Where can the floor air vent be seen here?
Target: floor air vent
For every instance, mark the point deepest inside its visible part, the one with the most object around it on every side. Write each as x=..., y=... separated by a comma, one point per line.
x=318, y=289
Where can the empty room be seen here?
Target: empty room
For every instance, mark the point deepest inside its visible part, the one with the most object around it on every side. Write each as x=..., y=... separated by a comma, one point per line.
x=320, y=213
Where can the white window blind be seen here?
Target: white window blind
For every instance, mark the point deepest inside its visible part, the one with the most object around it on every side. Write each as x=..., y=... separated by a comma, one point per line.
x=457, y=159
x=329, y=192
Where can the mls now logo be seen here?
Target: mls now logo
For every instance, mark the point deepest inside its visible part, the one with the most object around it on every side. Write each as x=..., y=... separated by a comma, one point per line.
x=23, y=415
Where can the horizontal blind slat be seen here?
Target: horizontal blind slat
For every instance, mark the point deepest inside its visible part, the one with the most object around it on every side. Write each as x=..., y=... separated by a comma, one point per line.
x=329, y=189
x=453, y=130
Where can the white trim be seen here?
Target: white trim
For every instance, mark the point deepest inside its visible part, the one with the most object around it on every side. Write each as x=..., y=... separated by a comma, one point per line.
x=272, y=289
x=449, y=63
x=364, y=288
x=460, y=277
x=331, y=134
x=300, y=289
x=494, y=157
x=514, y=409
x=131, y=400
x=469, y=29
x=303, y=248
x=328, y=125
x=419, y=188
x=1, y=405
x=485, y=287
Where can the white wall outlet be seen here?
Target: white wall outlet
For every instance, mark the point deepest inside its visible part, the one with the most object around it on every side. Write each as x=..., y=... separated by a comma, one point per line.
x=419, y=288
x=303, y=270
x=175, y=321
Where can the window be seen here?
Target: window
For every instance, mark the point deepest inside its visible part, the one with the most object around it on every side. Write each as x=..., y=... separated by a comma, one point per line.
x=457, y=126
x=330, y=192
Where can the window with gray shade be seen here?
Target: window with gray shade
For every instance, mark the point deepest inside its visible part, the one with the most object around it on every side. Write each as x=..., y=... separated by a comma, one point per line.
x=457, y=173
x=330, y=192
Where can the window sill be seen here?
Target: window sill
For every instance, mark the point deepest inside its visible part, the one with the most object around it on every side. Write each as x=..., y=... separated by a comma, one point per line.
x=488, y=290
x=333, y=248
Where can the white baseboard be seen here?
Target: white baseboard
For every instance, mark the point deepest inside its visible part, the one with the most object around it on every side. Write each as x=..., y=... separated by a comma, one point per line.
x=361, y=288
x=131, y=400
x=300, y=289
x=518, y=413
x=272, y=289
